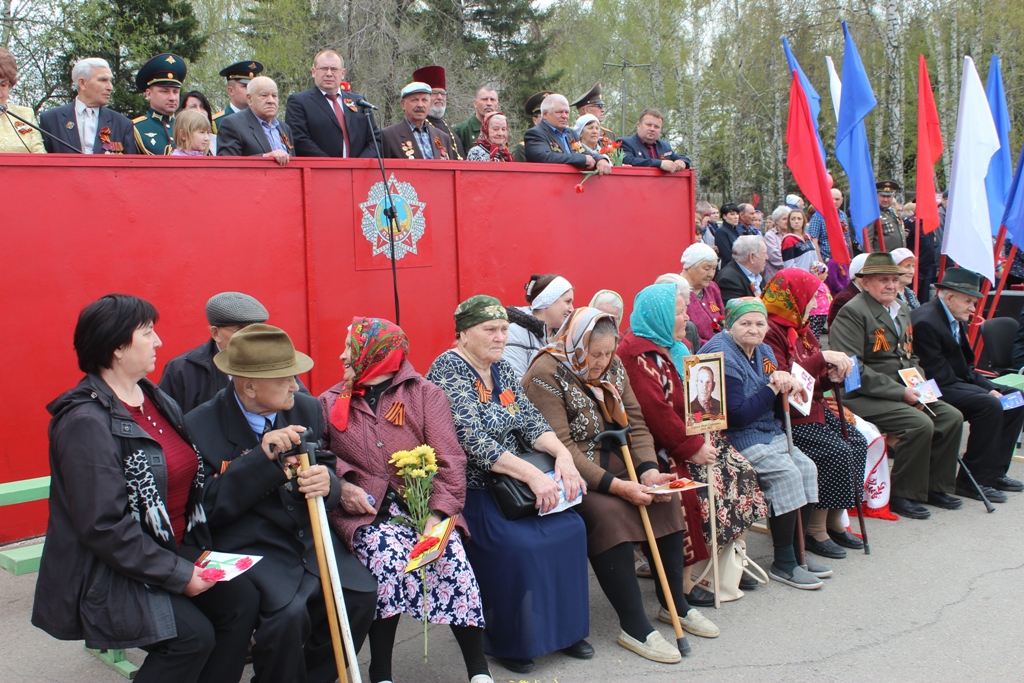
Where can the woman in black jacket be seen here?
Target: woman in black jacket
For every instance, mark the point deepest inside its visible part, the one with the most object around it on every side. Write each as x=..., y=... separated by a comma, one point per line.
x=126, y=518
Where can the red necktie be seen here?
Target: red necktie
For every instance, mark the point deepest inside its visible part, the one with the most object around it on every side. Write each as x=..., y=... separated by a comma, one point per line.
x=333, y=97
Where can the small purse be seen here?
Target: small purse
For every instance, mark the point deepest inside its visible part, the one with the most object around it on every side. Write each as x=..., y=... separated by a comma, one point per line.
x=514, y=498
x=732, y=563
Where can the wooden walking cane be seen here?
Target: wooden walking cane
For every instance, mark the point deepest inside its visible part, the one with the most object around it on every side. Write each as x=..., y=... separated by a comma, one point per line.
x=801, y=554
x=620, y=436
x=713, y=515
x=858, y=486
x=330, y=580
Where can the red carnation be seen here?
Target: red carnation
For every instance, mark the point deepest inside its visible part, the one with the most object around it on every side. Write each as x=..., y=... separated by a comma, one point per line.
x=579, y=189
x=243, y=563
x=423, y=546
x=212, y=574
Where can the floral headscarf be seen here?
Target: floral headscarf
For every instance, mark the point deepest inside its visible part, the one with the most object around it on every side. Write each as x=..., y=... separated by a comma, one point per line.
x=570, y=347
x=378, y=347
x=786, y=297
x=740, y=306
x=498, y=152
x=654, y=318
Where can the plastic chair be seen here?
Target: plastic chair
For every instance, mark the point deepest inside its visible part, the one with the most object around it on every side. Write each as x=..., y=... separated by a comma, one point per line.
x=999, y=335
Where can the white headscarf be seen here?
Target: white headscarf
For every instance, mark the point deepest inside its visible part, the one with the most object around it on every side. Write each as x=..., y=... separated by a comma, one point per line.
x=551, y=293
x=582, y=121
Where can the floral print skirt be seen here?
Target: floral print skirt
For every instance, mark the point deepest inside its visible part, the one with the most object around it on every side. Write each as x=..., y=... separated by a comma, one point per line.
x=453, y=595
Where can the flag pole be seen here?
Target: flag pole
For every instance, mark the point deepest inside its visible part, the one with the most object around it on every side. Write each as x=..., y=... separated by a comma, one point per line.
x=881, y=237
x=979, y=313
x=867, y=242
x=917, y=252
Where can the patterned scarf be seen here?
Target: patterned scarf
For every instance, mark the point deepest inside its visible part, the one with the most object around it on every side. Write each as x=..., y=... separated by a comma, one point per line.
x=147, y=507
x=378, y=347
x=498, y=152
x=570, y=347
x=786, y=297
x=654, y=318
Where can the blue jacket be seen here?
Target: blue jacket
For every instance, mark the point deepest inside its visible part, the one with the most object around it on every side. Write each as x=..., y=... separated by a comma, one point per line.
x=637, y=154
x=56, y=122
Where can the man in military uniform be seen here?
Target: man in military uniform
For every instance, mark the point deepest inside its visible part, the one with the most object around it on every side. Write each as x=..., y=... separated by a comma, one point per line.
x=434, y=76
x=485, y=102
x=238, y=74
x=892, y=226
x=533, y=111
x=591, y=103
x=875, y=326
x=160, y=79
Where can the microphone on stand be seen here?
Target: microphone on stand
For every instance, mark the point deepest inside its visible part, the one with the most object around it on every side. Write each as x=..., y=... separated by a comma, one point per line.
x=5, y=110
x=365, y=105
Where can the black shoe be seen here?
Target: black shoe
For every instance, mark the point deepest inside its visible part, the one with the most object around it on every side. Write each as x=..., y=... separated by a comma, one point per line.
x=520, y=666
x=581, y=650
x=826, y=548
x=993, y=495
x=698, y=597
x=1007, y=484
x=846, y=539
x=748, y=582
x=908, y=508
x=944, y=500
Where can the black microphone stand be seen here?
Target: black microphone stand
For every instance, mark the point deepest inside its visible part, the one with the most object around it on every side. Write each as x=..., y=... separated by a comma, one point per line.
x=6, y=110
x=389, y=210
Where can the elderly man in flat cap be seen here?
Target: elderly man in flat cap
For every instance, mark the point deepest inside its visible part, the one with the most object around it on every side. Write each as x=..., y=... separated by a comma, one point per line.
x=947, y=357
x=414, y=137
x=255, y=504
x=192, y=378
x=875, y=326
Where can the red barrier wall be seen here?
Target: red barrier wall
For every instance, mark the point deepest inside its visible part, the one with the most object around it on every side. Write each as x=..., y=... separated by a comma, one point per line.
x=176, y=231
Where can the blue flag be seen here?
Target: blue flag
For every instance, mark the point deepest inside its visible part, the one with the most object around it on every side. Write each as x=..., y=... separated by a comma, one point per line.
x=813, y=98
x=852, y=149
x=997, y=182
x=1013, y=217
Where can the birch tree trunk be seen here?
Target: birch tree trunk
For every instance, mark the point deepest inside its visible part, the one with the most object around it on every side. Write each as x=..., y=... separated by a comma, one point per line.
x=894, y=52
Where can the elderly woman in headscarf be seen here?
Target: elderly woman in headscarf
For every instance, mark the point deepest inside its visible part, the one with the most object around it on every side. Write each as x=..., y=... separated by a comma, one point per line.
x=705, y=307
x=533, y=570
x=611, y=303
x=15, y=135
x=690, y=334
x=907, y=263
x=789, y=479
x=581, y=388
x=588, y=127
x=789, y=297
x=492, y=145
x=652, y=356
x=773, y=240
x=383, y=401
x=549, y=302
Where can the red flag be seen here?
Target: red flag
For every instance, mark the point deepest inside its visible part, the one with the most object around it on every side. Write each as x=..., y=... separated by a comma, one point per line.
x=755, y=200
x=803, y=157
x=929, y=149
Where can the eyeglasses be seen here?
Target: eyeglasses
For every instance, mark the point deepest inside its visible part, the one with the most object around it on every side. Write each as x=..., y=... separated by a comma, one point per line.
x=439, y=92
x=329, y=69
x=598, y=104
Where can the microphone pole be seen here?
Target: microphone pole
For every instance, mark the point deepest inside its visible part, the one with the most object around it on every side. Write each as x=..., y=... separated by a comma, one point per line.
x=5, y=110
x=389, y=209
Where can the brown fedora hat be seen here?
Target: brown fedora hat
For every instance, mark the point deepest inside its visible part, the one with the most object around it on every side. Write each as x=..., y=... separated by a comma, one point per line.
x=262, y=351
x=879, y=263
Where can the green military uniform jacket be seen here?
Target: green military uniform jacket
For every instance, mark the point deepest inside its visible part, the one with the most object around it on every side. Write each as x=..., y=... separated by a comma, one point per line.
x=154, y=134
x=864, y=328
x=519, y=151
x=892, y=231
x=468, y=131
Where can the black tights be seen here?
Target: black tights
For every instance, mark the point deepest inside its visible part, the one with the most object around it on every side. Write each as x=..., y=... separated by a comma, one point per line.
x=382, y=644
x=784, y=535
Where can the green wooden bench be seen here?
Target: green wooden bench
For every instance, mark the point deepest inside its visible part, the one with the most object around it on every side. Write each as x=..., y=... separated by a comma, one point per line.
x=25, y=559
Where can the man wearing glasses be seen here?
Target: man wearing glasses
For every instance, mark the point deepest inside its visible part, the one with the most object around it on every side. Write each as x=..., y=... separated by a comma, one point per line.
x=591, y=103
x=325, y=120
x=434, y=76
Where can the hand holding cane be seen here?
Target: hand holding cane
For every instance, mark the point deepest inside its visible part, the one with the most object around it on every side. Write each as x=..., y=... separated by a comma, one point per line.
x=801, y=554
x=619, y=437
x=858, y=485
x=709, y=470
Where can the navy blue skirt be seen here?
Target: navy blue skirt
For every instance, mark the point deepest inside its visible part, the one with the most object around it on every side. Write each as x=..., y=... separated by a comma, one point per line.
x=533, y=578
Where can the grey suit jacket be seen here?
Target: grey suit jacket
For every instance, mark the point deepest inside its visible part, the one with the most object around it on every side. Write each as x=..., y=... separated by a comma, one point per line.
x=241, y=135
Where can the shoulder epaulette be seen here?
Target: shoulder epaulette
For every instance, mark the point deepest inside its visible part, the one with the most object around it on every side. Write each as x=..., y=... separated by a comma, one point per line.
x=138, y=119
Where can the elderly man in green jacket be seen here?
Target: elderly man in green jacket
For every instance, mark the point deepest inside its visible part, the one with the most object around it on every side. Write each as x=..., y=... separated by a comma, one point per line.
x=875, y=326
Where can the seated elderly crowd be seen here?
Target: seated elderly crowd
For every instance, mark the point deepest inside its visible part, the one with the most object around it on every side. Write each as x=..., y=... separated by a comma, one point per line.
x=146, y=477
x=328, y=120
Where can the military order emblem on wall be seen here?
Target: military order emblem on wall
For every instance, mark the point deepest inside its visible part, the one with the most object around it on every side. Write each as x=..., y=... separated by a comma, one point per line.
x=411, y=222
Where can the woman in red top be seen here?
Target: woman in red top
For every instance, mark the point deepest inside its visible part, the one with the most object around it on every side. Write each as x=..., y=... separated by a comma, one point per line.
x=789, y=298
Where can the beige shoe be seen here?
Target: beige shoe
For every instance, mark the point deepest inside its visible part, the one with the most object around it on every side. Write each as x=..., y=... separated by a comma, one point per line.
x=694, y=622
x=655, y=648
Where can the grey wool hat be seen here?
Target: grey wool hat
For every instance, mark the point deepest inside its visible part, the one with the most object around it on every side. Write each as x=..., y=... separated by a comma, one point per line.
x=234, y=308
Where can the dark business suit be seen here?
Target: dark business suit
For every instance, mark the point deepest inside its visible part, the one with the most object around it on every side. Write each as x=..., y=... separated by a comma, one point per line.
x=637, y=153
x=314, y=124
x=241, y=135
x=250, y=509
x=55, y=122
x=733, y=282
x=544, y=146
x=711, y=413
x=951, y=364
x=399, y=142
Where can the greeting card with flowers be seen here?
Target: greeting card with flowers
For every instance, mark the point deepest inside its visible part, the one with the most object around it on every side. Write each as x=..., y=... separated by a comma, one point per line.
x=225, y=566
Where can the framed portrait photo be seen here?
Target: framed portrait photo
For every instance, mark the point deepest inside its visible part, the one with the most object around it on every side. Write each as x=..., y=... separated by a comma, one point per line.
x=704, y=385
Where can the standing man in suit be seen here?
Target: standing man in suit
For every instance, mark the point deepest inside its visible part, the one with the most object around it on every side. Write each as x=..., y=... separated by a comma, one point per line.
x=741, y=276
x=552, y=141
x=485, y=102
x=434, y=76
x=80, y=123
x=325, y=119
x=255, y=503
x=876, y=327
x=238, y=74
x=414, y=137
x=160, y=79
x=256, y=131
x=947, y=357
x=646, y=148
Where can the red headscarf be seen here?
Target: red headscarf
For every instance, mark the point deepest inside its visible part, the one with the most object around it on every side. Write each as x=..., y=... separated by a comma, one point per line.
x=786, y=296
x=378, y=347
x=498, y=152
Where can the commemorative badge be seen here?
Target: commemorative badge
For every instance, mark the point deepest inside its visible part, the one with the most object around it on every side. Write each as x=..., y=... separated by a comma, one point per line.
x=409, y=210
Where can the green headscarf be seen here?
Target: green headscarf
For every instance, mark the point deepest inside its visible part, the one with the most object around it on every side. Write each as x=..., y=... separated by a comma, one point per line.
x=654, y=318
x=745, y=304
x=478, y=309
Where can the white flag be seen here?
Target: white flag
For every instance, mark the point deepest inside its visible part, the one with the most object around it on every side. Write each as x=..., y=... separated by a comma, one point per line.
x=834, y=85
x=968, y=232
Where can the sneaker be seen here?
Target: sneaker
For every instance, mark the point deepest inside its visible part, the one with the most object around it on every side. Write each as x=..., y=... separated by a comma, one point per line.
x=481, y=678
x=655, y=648
x=819, y=570
x=694, y=622
x=798, y=578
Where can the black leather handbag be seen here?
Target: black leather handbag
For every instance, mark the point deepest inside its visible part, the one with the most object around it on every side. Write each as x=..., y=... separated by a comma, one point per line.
x=514, y=498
